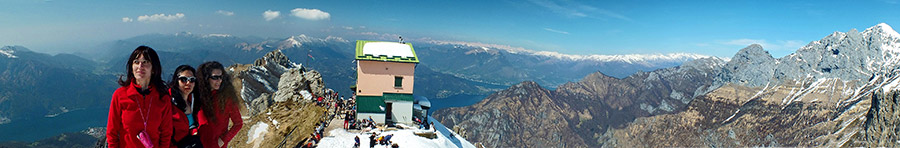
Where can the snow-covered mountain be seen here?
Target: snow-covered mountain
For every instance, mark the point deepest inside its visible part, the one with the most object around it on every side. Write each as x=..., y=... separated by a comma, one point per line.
x=644, y=59
x=828, y=93
x=850, y=56
x=839, y=91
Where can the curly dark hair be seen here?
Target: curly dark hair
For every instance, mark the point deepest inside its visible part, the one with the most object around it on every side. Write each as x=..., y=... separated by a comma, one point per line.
x=155, y=72
x=226, y=95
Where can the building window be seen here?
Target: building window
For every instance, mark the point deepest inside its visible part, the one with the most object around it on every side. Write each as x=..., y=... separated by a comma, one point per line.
x=398, y=81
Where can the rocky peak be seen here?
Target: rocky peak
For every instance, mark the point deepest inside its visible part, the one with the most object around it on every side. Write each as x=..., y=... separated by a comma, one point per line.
x=847, y=55
x=524, y=87
x=277, y=58
x=274, y=78
x=751, y=54
x=883, y=29
x=751, y=66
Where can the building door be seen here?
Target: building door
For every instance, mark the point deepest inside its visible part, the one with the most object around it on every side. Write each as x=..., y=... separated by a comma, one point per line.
x=388, y=116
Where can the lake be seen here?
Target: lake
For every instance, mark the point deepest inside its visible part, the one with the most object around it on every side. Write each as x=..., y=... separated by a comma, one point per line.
x=29, y=130
x=454, y=101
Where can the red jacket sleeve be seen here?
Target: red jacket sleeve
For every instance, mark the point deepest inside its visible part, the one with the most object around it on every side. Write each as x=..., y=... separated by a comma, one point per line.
x=237, y=123
x=165, y=127
x=113, y=123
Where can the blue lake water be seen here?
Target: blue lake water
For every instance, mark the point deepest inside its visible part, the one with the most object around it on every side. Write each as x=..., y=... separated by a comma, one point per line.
x=454, y=101
x=29, y=130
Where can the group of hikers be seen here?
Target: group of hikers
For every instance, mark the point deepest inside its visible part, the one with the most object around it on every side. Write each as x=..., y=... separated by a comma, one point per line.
x=334, y=105
x=316, y=136
x=193, y=110
x=377, y=140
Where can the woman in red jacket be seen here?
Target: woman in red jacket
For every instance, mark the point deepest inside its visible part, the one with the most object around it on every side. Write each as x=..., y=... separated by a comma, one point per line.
x=140, y=112
x=184, y=108
x=220, y=105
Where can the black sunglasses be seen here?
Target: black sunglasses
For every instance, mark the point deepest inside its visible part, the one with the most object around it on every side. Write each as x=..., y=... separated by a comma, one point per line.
x=215, y=77
x=184, y=79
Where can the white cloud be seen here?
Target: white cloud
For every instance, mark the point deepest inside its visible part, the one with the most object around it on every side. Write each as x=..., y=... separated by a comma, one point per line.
x=160, y=17
x=383, y=36
x=556, y=31
x=745, y=42
x=577, y=10
x=127, y=19
x=270, y=15
x=310, y=14
x=225, y=13
x=348, y=27
x=788, y=45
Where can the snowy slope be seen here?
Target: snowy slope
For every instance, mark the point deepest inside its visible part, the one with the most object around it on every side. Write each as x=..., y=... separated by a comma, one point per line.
x=403, y=138
x=8, y=53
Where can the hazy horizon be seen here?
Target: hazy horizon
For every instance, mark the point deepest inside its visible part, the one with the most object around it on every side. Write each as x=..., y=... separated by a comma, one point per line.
x=569, y=27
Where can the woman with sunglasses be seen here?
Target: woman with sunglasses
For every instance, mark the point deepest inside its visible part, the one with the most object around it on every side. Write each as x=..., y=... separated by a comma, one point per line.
x=184, y=121
x=140, y=112
x=220, y=105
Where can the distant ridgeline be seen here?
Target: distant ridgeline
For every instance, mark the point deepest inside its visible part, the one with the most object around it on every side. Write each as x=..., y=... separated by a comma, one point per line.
x=836, y=92
x=41, y=86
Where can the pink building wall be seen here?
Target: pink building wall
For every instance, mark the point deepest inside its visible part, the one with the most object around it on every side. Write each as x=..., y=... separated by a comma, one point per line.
x=376, y=77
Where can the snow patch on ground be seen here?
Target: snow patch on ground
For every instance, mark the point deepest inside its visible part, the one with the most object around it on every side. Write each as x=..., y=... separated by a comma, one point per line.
x=257, y=130
x=403, y=138
x=891, y=86
x=8, y=53
x=732, y=115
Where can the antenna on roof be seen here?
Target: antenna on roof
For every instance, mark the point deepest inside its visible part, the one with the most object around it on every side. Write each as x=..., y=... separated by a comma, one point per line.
x=401, y=40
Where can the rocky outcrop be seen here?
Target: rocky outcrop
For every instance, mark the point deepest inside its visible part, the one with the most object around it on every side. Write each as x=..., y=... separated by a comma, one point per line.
x=295, y=86
x=882, y=123
x=849, y=56
x=281, y=112
x=751, y=66
x=274, y=78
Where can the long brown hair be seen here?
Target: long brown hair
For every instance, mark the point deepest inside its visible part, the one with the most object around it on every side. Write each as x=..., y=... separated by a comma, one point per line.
x=155, y=72
x=226, y=94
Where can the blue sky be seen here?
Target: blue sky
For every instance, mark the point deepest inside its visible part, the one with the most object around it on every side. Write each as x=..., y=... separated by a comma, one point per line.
x=717, y=28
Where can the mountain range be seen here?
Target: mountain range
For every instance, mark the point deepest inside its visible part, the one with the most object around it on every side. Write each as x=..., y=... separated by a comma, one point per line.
x=38, y=87
x=837, y=91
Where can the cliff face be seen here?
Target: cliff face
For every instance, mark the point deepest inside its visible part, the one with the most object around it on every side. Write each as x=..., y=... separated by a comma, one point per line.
x=883, y=122
x=572, y=115
x=524, y=115
x=274, y=78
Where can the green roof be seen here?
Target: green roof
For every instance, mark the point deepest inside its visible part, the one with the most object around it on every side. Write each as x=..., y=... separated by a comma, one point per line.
x=370, y=104
x=398, y=97
x=361, y=55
